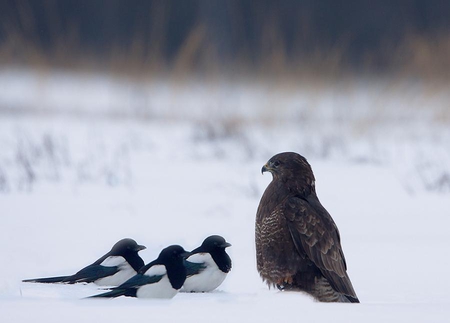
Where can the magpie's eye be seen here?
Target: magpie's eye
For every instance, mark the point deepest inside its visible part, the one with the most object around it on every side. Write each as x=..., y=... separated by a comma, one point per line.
x=276, y=164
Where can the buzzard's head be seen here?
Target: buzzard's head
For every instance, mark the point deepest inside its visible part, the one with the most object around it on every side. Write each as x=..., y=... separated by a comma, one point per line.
x=290, y=168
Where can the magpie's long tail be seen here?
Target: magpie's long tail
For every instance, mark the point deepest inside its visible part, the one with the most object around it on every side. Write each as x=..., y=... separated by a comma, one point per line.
x=116, y=293
x=49, y=280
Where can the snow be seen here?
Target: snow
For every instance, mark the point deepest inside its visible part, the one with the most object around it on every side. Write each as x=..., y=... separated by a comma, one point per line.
x=73, y=186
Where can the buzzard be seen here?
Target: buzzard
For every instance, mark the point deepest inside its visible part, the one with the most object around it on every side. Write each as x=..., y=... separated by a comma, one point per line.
x=298, y=246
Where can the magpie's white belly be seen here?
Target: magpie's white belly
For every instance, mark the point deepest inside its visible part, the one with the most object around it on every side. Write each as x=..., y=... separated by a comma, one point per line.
x=125, y=272
x=209, y=279
x=161, y=289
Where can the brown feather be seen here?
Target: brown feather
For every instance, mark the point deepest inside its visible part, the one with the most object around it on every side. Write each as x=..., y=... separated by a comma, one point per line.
x=297, y=242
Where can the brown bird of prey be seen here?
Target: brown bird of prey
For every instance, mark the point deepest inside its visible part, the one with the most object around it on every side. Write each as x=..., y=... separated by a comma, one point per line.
x=298, y=246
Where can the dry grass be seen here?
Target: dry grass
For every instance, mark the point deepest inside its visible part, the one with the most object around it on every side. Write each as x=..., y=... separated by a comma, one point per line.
x=420, y=56
x=417, y=59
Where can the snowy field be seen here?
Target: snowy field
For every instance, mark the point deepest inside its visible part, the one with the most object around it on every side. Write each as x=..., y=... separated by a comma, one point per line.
x=71, y=186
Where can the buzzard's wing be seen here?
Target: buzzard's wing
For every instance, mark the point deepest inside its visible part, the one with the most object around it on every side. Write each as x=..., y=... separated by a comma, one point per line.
x=316, y=236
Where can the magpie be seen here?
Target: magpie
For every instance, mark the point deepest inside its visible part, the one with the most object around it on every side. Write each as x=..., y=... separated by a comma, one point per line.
x=117, y=266
x=208, y=265
x=161, y=278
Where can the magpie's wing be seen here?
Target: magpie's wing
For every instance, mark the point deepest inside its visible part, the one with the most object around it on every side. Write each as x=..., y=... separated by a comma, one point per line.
x=130, y=287
x=139, y=280
x=91, y=273
x=316, y=236
x=194, y=268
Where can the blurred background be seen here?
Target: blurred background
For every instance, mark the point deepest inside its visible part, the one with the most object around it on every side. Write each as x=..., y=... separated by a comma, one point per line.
x=355, y=81
x=235, y=38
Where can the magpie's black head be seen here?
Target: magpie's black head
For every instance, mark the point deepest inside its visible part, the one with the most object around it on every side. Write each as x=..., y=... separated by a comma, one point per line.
x=125, y=246
x=172, y=258
x=172, y=255
x=212, y=243
x=215, y=245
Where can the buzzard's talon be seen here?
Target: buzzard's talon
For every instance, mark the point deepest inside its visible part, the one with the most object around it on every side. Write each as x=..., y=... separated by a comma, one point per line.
x=280, y=287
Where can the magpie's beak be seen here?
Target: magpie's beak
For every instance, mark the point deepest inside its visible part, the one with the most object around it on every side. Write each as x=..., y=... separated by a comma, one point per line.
x=225, y=245
x=140, y=247
x=186, y=254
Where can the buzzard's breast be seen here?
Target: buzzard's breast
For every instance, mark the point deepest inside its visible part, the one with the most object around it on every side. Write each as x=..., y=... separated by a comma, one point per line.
x=277, y=258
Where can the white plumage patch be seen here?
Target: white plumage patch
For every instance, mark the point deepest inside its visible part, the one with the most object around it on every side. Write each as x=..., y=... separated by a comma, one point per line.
x=156, y=270
x=125, y=272
x=209, y=279
x=161, y=289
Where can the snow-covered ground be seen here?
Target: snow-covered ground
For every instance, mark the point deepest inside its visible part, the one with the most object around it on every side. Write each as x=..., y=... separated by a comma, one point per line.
x=70, y=187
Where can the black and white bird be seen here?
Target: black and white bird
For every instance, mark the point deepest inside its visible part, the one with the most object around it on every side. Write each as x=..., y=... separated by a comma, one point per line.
x=208, y=265
x=162, y=278
x=114, y=268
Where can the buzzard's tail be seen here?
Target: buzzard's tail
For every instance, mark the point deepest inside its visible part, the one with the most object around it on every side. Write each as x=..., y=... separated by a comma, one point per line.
x=341, y=298
x=324, y=292
x=352, y=299
x=48, y=280
x=321, y=289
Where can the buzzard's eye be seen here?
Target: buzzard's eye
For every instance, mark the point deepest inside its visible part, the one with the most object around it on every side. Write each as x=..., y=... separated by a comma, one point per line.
x=276, y=164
